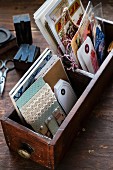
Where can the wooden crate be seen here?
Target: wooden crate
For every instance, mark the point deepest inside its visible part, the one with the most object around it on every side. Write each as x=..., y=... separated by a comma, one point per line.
x=49, y=152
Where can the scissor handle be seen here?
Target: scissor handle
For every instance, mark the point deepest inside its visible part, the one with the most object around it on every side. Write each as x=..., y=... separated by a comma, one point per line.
x=1, y=64
x=9, y=64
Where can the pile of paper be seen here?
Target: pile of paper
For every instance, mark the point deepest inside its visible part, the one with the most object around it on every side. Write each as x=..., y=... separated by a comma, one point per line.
x=73, y=31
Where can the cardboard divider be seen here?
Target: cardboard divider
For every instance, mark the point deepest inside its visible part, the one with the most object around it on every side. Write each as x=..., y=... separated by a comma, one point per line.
x=79, y=80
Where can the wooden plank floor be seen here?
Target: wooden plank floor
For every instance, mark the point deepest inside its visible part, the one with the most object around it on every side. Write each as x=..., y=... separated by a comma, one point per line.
x=93, y=148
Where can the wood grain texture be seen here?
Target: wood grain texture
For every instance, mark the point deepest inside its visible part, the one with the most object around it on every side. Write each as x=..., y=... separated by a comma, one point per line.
x=93, y=148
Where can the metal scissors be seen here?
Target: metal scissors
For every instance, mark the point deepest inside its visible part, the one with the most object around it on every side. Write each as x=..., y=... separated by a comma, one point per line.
x=6, y=66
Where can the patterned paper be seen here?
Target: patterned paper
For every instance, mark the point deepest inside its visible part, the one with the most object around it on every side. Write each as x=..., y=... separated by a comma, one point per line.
x=30, y=92
x=39, y=107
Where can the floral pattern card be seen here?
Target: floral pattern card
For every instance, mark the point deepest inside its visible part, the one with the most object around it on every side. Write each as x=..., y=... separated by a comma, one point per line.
x=84, y=30
x=54, y=19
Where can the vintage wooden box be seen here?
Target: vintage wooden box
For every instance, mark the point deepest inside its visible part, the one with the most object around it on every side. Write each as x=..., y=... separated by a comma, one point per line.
x=49, y=152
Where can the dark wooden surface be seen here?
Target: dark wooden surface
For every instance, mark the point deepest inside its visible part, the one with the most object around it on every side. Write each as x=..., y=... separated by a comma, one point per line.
x=93, y=148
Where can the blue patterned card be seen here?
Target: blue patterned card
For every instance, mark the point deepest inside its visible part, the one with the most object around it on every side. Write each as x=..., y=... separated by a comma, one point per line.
x=100, y=45
x=30, y=92
x=21, y=89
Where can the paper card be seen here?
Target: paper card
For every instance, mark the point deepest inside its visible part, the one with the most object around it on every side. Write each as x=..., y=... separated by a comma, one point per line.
x=84, y=30
x=59, y=115
x=49, y=64
x=52, y=124
x=95, y=13
x=30, y=92
x=39, y=107
x=30, y=78
x=53, y=18
x=45, y=131
x=100, y=44
x=65, y=95
x=28, y=72
x=87, y=56
x=85, y=27
x=81, y=60
x=39, y=17
x=75, y=44
x=55, y=73
x=42, y=8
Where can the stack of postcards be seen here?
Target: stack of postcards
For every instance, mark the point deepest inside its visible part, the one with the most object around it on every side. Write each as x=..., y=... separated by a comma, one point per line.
x=74, y=33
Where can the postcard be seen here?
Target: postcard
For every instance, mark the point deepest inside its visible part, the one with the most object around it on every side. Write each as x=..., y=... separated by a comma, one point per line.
x=30, y=92
x=84, y=30
x=40, y=21
x=54, y=19
x=27, y=73
x=30, y=78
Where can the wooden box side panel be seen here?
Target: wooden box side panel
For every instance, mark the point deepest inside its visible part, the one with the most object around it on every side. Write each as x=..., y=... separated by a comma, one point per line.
x=16, y=136
x=79, y=81
x=81, y=110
